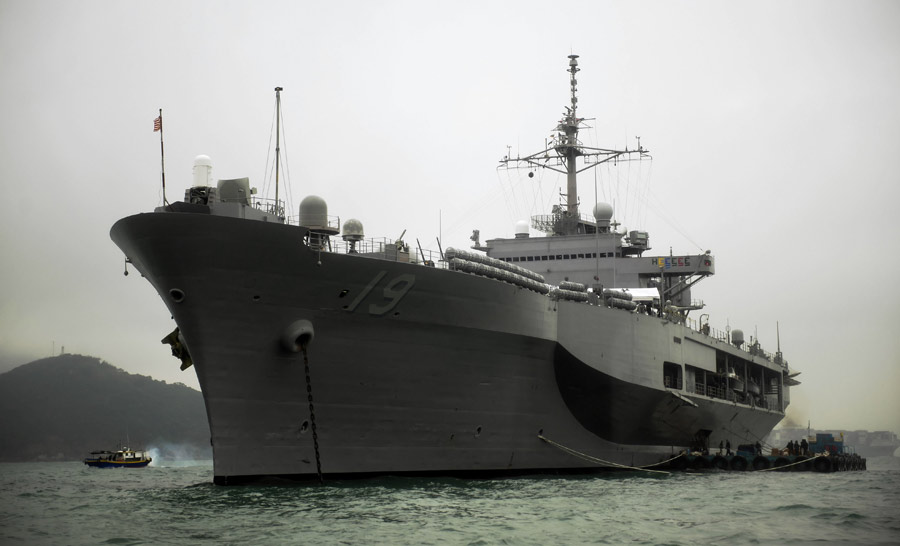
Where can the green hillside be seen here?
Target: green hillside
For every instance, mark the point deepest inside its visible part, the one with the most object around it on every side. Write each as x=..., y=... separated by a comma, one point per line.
x=63, y=407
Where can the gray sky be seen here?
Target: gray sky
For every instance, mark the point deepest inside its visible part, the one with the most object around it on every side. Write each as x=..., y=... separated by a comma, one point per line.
x=772, y=126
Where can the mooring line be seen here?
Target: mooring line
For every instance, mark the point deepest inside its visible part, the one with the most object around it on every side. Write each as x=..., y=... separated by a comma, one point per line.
x=789, y=465
x=666, y=461
x=592, y=459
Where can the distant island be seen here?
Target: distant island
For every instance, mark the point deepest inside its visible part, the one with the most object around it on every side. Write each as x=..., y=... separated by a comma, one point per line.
x=61, y=408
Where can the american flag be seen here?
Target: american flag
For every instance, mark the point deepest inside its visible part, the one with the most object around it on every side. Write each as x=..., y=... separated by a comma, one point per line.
x=157, y=124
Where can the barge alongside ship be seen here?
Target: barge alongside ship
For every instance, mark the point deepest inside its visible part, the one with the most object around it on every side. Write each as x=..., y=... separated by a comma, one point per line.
x=319, y=356
x=822, y=453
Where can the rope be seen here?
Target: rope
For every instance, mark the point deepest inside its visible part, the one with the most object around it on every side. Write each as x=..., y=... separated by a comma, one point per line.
x=589, y=458
x=804, y=461
x=646, y=468
x=268, y=154
x=752, y=437
x=312, y=415
x=682, y=454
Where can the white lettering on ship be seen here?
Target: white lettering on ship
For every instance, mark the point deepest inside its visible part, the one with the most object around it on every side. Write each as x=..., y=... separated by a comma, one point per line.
x=392, y=293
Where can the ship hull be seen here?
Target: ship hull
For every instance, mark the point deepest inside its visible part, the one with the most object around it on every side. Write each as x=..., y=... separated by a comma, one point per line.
x=116, y=464
x=410, y=369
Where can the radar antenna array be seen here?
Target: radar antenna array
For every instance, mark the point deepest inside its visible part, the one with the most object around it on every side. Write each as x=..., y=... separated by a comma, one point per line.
x=561, y=153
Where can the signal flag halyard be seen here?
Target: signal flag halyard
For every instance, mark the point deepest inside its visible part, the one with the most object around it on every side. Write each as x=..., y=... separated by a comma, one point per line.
x=157, y=124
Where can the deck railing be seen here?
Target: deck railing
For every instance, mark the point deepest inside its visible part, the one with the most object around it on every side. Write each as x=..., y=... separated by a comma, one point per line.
x=384, y=248
x=724, y=336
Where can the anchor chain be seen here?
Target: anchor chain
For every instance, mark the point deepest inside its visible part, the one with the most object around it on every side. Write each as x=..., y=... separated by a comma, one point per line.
x=312, y=414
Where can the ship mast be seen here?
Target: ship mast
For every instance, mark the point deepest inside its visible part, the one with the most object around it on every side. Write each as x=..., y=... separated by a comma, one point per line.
x=561, y=155
x=569, y=148
x=277, y=141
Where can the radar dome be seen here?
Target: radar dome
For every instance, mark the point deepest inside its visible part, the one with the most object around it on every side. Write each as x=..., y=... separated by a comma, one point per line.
x=202, y=171
x=313, y=212
x=522, y=229
x=353, y=230
x=603, y=211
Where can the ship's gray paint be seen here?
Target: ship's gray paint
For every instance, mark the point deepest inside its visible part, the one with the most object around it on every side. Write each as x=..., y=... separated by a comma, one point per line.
x=413, y=368
x=418, y=369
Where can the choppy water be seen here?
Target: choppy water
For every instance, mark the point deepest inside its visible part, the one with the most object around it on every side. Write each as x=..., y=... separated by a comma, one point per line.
x=68, y=503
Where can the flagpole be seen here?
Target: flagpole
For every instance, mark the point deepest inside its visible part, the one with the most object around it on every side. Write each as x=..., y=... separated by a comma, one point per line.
x=158, y=125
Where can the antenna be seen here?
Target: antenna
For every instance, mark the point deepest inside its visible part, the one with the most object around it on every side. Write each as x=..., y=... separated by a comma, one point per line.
x=561, y=153
x=277, y=140
x=779, y=358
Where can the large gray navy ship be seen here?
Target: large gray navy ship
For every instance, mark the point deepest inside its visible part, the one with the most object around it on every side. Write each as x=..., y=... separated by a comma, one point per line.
x=322, y=353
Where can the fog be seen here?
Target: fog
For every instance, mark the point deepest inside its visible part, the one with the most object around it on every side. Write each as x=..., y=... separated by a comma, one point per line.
x=773, y=127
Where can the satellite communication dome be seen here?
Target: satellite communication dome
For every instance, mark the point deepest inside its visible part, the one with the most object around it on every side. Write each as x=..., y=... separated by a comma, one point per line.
x=353, y=230
x=522, y=229
x=603, y=211
x=202, y=171
x=313, y=212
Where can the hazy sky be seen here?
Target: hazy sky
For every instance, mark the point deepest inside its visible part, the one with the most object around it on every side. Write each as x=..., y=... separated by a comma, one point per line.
x=774, y=128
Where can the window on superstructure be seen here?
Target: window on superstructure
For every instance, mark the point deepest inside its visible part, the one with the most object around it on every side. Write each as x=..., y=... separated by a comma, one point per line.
x=672, y=375
x=530, y=258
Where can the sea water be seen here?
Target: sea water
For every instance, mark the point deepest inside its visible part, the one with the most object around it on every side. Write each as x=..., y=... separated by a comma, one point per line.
x=69, y=503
